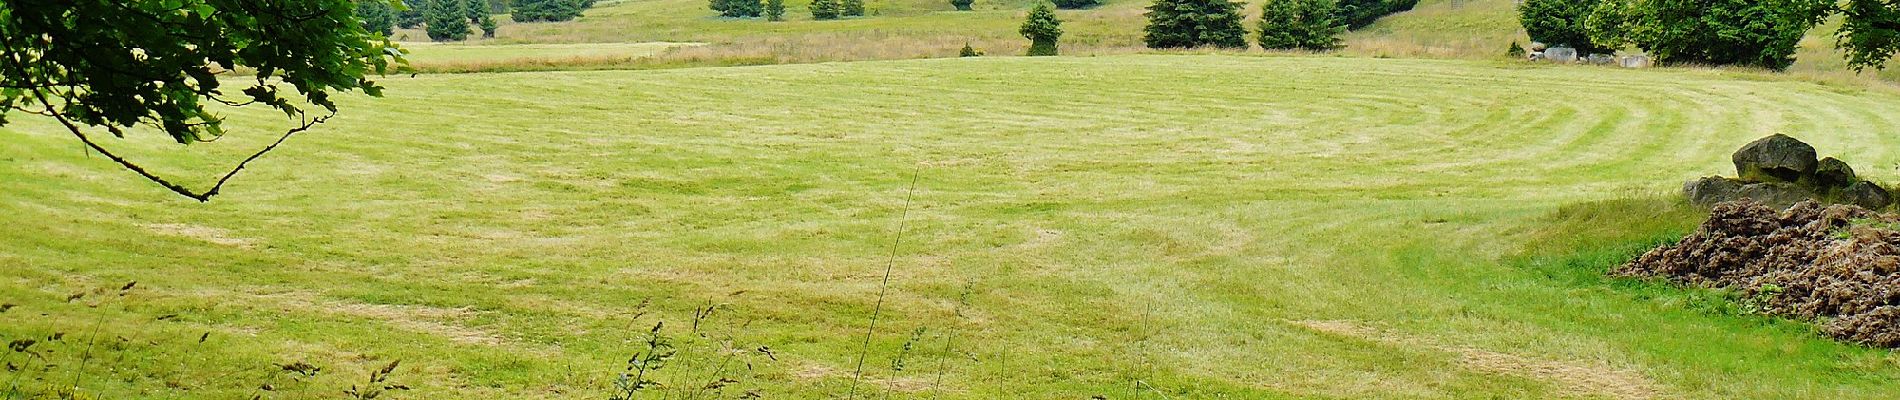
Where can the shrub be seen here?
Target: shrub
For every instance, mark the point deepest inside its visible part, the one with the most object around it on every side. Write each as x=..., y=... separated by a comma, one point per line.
x=545, y=10
x=1042, y=29
x=825, y=9
x=1360, y=13
x=962, y=5
x=738, y=8
x=1300, y=24
x=774, y=10
x=446, y=20
x=851, y=8
x=377, y=15
x=1516, y=51
x=968, y=51
x=1075, y=4
x=1559, y=23
x=1723, y=32
x=1194, y=23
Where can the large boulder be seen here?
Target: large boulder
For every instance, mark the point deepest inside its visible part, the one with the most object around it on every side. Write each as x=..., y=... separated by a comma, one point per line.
x=1707, y=192
x=1561, y=55
x=1867, y=195
x=1776, y=194
x=1832, y=173
x=1777, y=158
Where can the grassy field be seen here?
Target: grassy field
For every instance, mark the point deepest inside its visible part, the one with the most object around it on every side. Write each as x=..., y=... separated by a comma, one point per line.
x=1210, y=226
x=909, y=29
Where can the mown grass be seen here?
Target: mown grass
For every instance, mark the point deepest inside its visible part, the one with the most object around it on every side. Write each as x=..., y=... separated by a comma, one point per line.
x=1248, y=227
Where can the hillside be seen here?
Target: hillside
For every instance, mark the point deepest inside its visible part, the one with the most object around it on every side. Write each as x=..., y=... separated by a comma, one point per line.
x=1197, y=226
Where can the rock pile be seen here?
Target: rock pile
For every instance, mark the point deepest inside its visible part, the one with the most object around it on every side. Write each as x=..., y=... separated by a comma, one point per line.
x=1780, y=171
x=1838, y=265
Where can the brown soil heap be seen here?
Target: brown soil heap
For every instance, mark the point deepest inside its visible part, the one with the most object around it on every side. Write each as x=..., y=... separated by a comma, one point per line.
x=1838, y=265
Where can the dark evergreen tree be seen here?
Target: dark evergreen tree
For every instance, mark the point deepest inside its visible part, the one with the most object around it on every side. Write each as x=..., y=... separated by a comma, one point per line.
x=774, y=10
x=475, y=9
x=488, y=26
x=851, y=8
x=1195, y=23
x=825, y=9
x=738, y=8
x=378, y=16
x=411, y=16
x=545, y=10
x=1075, y=4
x=1042, y=29
x=1300, y=25
x=962, y=5
x=446, y=20
x=1359, y=13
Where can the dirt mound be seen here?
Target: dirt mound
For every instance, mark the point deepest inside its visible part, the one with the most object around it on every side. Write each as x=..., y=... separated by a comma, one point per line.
x=1838, y=265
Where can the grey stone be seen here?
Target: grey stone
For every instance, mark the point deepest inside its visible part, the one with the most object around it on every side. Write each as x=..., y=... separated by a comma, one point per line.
x=1707, y=192
x=1561, y=54
x=1867, y=195
x=1538, y=47
x=1602, y=59
x=1776, y=158
x=1833, y=173
x=1775, y=194
x=1636, y=62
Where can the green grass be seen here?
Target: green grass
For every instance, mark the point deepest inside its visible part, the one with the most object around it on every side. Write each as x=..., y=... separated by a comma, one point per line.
x=1247, y=227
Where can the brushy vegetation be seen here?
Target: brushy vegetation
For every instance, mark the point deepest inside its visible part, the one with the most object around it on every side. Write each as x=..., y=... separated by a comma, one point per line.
x=1348, y=228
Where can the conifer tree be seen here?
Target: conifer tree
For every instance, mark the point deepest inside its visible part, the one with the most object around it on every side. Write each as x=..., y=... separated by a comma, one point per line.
x=774, y=10
x=1042, y=29
x=1300, y=25
x=1195, y=23
x=852, y=8
x=824, y=9
x=446, y=20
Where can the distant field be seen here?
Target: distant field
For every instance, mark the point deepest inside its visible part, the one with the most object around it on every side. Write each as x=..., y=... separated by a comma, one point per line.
x=905, y=29
x=1247, y=227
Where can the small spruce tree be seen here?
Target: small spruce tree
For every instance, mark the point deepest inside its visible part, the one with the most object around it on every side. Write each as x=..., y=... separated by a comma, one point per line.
x=774, y=10
x=962, y=5
x=968, y=51
x=1042, y=29
x=1194, y=23
x=488, y=26
x=824, y=9
x=1300, y=25
x=446, y=20
x=851, y=8
x=1075, y=4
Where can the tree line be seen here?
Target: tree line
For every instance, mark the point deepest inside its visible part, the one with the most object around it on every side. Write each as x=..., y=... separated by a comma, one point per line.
x=455, y=20
x=1754, y=33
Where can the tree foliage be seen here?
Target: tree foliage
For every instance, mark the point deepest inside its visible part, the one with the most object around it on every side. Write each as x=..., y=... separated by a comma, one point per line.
x=1754, y=33
x=1076, y=4
x=546, y=10
x=122, y=66
x=738, y=8
x=774, y=10
x=378, y=16
x=1559, y=23
x=1194, y=23
x=1300, y=25
x=962, y=5
x=446, y=20
x=1360, y=13
x=411, y=15
x=825, y=9
x=851, y=8
x=1042, y=29
x=1870, y=32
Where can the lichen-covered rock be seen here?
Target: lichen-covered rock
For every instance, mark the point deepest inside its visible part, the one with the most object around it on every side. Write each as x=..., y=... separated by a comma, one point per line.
x=1776, y=158
x=1866, y=194
x=1832, y=173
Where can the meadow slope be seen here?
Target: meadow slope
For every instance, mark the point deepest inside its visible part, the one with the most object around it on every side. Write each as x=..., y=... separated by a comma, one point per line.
x=1247, y=227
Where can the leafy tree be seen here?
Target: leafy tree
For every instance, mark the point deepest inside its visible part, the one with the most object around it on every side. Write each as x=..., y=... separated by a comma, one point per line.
x=1300, y=24
x=1870, y=33
x=545, y=10
x=378, y=16
x=1760, y=33
x=411, y=15
x=851, y=8
x=1360, y=13
x=1559, y=23
x=72, y=61
x=1075, y=4
x=1042, y=29
x=488, y=26
x=446, y=20
x=962, y=5
x=825, y=9
x=1195, y=23
x=774, y=10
